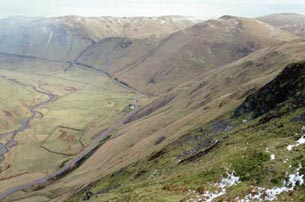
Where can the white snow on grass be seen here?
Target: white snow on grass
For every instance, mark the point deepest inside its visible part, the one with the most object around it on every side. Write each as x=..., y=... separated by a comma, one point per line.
x=262, y=194
x=221, y=187
x=289, y=147
x=298, y=143
x=301, y=140
x=257, y=193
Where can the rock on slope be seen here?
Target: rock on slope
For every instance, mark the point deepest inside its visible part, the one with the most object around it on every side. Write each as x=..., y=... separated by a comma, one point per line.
x=289, y=84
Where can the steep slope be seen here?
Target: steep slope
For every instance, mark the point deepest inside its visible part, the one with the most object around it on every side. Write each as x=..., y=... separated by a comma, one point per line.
x=199, y=49
x=41, y=38
x=189, y=105
x=289, y=84
x=291, y=22
x=114, y=54
x=228, y=159
x=65, y=38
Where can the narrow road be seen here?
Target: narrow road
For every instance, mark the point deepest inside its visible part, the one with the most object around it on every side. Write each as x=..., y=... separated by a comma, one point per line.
x=77, y=160
x=120, y=83
x=79, y=56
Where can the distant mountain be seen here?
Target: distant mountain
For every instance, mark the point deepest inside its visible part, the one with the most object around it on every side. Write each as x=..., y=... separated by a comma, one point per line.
x=195, y=50
x=148, y=52
x=291, y=22
x=64, y=38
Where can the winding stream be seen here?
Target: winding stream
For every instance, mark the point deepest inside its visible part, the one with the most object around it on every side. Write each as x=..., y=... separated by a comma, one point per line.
x=24, y=123
x=72, y=164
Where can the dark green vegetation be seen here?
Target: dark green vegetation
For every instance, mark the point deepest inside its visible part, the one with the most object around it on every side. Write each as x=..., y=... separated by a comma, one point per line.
x=244, y=147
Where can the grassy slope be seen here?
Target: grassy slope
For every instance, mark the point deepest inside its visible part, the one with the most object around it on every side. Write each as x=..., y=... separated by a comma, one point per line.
x=114, y=54
x=199, y=49
x=245, y=153
x=245, y=149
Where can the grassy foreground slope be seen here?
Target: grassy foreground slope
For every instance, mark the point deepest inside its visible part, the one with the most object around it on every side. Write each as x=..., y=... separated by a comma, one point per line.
x=263, y=153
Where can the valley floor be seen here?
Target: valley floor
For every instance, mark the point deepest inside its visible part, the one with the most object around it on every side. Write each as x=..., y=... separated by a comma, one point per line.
x=68, y=111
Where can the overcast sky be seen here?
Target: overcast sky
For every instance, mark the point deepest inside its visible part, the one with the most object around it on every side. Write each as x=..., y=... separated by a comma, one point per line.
x=197, y=8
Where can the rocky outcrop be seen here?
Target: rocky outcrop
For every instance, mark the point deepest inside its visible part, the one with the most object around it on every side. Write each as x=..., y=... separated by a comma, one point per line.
x=288, y=85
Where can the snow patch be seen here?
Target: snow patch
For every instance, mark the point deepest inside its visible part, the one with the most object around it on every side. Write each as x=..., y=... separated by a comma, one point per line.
x=262, y=194
x=289, y=147
x=299, y=142
x=257, y=193
x=221, y=187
